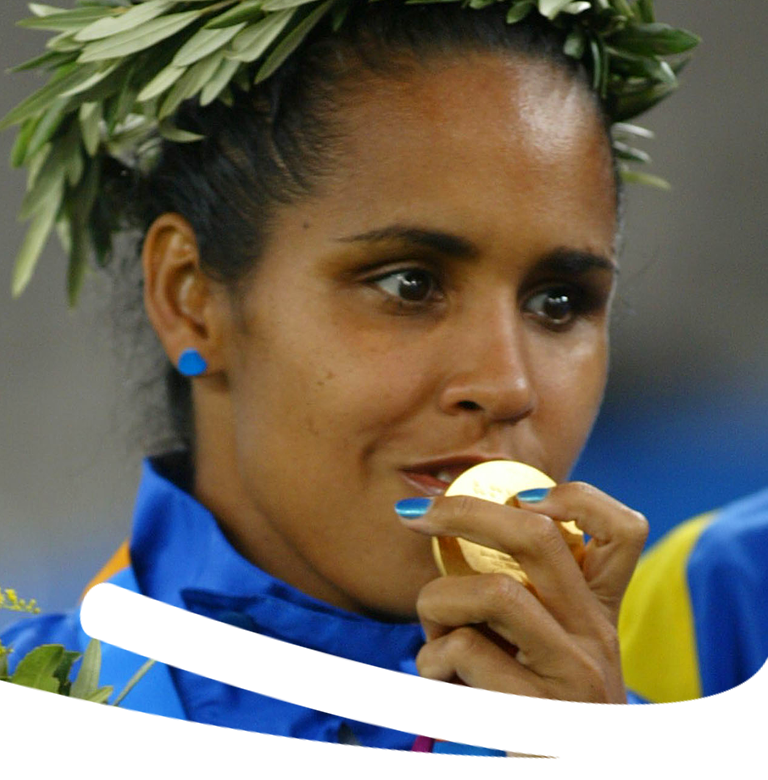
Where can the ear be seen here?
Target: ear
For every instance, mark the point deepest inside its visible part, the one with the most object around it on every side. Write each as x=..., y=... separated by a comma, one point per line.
x=178, y=297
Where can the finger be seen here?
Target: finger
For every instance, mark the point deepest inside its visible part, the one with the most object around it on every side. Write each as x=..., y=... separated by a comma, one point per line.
x=471, y=656
x=617, y=536
x=514, y=615
x=532, y=538
x=474, y=659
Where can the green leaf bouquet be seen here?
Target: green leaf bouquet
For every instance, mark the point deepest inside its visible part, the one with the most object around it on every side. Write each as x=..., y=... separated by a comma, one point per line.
x=49, y=667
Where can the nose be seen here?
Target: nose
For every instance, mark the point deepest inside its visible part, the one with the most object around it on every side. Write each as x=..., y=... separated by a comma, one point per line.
x=490, y=368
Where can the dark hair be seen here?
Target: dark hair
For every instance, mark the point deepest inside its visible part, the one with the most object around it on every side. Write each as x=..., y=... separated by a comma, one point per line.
x=274, y=143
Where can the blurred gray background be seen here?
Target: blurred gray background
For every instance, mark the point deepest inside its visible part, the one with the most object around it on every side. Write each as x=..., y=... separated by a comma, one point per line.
x=685, y=420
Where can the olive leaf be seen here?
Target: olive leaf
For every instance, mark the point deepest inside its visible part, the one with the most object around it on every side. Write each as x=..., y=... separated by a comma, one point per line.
x=631, y=104
x=292, y=41
x=654, y=38
x=64, y=20
x=67, y=77
x=626, y=152
x=141, y=37
x=575, y=43
x=280, y=5
x=220, y=79
x=648, y=179
x=49, y=179
x=121, y=20
x=644, y=10
x=163, y=81
x=618, y=129
x=90, y=126
x=50, y=61
x=203, y=43
x=244, y=11
x=551, y=8
x=168, y=130
x=190, y=84
x=40, y=9
x=252, y=42
x=34, y=242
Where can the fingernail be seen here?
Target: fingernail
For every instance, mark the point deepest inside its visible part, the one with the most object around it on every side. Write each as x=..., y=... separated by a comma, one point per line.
x=411, y=508
x=532, y=496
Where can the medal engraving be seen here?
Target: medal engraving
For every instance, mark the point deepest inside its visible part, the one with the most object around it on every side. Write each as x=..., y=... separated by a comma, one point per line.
x=498, y=481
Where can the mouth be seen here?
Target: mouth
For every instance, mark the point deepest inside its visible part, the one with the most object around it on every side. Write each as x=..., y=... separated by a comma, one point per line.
x=433, y=479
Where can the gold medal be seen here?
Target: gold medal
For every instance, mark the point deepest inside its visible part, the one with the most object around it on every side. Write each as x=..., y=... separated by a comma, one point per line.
x=498, y=481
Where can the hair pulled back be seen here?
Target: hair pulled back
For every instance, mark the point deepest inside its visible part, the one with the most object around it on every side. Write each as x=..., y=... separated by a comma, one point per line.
x=274, y=143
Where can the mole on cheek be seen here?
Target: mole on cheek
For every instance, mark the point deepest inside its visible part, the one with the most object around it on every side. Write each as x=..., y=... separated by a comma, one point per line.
x=327, y=378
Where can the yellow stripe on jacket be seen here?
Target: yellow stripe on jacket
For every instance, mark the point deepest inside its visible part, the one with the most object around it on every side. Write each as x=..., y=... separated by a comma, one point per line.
x=656, y=628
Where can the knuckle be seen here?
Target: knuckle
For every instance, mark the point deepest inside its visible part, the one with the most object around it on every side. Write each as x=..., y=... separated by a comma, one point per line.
x=501, y=592
x=583, y=488
x=423, y=602
x=448, y=512
x=458, y=507
x=462, y=641
x=639, y=525
x=430, y=597
x=633, y=529
x=545, y=535
x=424, y=660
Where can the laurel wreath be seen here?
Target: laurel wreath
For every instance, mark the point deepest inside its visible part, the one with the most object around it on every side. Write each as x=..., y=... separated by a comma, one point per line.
x=120, y=69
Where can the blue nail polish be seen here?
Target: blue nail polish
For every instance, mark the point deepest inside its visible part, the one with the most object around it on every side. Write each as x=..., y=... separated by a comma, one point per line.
x=411, y=508
x=533, y=496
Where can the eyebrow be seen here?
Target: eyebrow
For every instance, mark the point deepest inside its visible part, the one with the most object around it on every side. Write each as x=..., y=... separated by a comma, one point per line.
x=436, y=240
x=562, y=260
x=576, y=262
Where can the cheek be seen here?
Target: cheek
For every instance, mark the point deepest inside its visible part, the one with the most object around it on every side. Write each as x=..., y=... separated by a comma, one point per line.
x=329, y=393
x=571, y=388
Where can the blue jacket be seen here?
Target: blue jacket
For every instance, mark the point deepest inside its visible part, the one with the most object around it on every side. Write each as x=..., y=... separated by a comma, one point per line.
x=179, y=555
x=695, y=618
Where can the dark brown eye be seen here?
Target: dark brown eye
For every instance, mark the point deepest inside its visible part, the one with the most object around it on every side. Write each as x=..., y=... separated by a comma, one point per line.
x=556, y=307
x=413, y=285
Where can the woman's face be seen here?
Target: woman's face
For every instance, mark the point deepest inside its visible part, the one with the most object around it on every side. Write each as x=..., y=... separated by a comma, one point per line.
x=441, y=301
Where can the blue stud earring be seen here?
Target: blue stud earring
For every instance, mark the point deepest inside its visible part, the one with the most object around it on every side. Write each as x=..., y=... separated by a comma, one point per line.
x=191, y=363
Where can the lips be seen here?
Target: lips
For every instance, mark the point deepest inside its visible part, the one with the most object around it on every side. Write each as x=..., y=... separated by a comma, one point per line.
x=433, y=478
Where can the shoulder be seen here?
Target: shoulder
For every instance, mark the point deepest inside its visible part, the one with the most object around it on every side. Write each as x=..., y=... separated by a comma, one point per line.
x=656, y=623
x=737, y=538
x=698, y=603
x=734, y=536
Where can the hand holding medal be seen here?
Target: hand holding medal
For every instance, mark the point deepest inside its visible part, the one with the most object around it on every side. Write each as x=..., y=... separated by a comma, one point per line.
x=527, y=607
